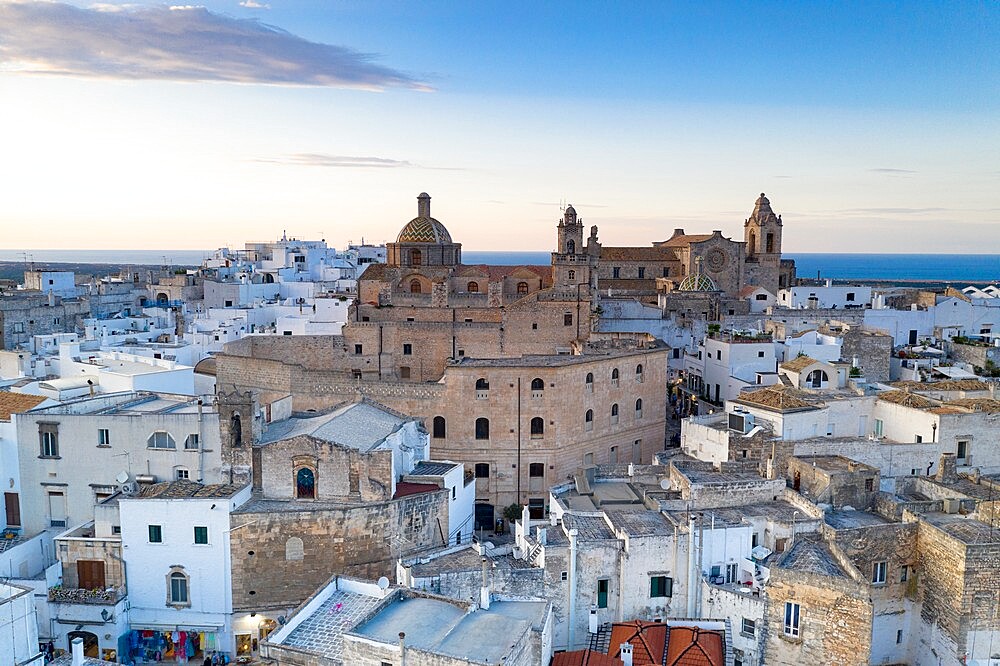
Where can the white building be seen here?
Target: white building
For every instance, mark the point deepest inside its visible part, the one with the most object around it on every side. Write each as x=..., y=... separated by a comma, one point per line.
x=829, y=296
x=60, y=283
x=461, y=504
x=18, y=626
x=175, y=543
x=71, y=454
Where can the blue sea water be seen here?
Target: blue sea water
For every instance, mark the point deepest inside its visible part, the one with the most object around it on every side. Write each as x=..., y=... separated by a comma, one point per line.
x=902, y=267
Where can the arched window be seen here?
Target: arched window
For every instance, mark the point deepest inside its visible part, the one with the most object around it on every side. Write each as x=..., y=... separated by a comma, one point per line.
x=438, y=430
x=770, y=242
x=588, y=420
x=416, y=257
x=472, y=287
x=638, y=373
x=415, y=286
x=614, y=413
x=638, y=408
x=752, y=244
x=235, y=430
x=482, y=428
x=178, y=591
x=482, y=384
x=571, y=246
x=522, y=288
x=294, y=549
x=537, y=427
x=537, y=384
x=816, y=378
x=614, y=377
x=572, y=275
x=590, y=379
x=305, y=483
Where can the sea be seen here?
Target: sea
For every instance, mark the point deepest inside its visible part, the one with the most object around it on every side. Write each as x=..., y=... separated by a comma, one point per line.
x=974, y=268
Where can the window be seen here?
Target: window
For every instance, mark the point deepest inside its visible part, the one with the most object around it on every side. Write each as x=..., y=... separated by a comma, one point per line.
x=522, y=288
x=482, y=428
x=760, y=354
x=567, y=319
x=614, y=413
x=963, y=450
x=613, y=455
x=415, y=286
x=732, y=571
x=180, y=474
x=869, y=484
x=791, y=619
x=155, y=534
x=588, y=420
x=918, y=438
x=472, y=287
x=638, y=373
x=404, y=372
x=305, y=483
x=661, y=586
x=614, y=377
x=536, y=470
x=48, y=440
x=103, y=437
x=19, y=327
x=878, y=428
x=904, y=573
x=572, y=275
x=438, y=428
x=192, y=442
x=178, y=589
x=638, y=408
x=161, y=440
x=878, y=573
x=571, y=246
x=642, y=272
x=850, y=296
x=590, y=382
x=537, y=427
x=760, y=297
x=536, y=508
x=749, y=627
x=416, y=258
x=616, y=272
x=201, y=535
x=899, y=636
x=637, y=451
x=563, y=575
x=357, y=349
x=482, y=385
x=537, y=384
x=603, y=585
x=407, y=349
x=482, y=470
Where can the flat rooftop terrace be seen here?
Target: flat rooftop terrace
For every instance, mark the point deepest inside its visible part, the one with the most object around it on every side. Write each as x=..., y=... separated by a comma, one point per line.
x=966, y=529
x=846, y=519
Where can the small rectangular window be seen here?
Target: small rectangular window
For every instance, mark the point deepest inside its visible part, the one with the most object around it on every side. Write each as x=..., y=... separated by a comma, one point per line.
x=182, y=474
x=616, y=272
x=850, y=296
x=407, y=349
x=201, y=535
x=904, y=573
x=155, y=534
x=869, y=485
x=563, y=575
x=878, y=573
x=919, y=439
x=103, y=437
x=749, y=627
x=661, y=586
x=567, y=319
x=603, y=585
x=760, y=354
x=192, y=442
x=791, y=619
x=357, y=349
x=963, y=450
x=48, y=439
x=642, y=273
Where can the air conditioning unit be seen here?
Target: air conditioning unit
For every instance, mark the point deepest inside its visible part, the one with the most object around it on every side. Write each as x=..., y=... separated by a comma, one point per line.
x=129, y=488
x=952, y=505
x=741, y=422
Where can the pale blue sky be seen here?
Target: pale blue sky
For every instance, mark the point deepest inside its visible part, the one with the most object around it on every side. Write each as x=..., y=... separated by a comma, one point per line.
x=871, y=126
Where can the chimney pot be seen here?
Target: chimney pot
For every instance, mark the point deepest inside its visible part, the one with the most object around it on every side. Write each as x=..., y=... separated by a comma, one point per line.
x=77, y=649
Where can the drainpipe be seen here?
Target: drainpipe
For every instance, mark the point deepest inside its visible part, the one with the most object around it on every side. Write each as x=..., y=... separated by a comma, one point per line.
x=572, y=587
x=619, y=612
x=701, y=558
x=519, y=498
x=201, y=442
x=690, y=566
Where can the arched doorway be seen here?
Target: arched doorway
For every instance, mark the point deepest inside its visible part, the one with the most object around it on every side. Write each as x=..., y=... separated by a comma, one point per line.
x=91, y=648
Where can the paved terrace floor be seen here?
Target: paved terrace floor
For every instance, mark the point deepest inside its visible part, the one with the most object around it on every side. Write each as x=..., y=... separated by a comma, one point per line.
x=323, y=631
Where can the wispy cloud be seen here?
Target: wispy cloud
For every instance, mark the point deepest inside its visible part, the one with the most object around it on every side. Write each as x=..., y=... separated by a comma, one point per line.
x=181, y=43
x=346, y=161
x=252, y=4
x=892, y=171
x=580, y=206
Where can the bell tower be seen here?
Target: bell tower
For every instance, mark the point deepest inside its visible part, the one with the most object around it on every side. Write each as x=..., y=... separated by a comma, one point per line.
x=239, y=430
x=570, y=265
x=762, y=236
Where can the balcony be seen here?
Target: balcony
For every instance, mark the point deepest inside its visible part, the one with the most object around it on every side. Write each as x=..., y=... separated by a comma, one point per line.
x=105, y=596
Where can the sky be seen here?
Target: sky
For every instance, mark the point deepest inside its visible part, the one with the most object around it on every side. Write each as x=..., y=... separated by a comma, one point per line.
x=872, y=127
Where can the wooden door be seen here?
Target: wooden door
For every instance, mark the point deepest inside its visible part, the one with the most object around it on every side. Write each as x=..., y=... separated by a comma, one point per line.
x=90, y=574
x=13, y=506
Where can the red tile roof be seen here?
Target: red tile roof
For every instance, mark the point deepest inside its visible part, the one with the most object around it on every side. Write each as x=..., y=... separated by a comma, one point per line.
x=691, y=646
x=15, y=403
x=647, y=639
x=404, y=488
x=584, y=658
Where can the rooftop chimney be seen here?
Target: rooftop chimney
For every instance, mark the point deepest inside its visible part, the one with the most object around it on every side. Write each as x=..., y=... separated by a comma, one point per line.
x=625, y=652
x=402, y=648
x=77, y=647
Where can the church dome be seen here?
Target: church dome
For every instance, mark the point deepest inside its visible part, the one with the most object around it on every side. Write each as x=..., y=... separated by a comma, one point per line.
x=697, y=282
x=424, y=228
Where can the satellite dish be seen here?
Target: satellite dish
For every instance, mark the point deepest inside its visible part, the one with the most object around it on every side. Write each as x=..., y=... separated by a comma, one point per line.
x=383, y=583
x=488, y=545
x=665, y=484
x=122, y=477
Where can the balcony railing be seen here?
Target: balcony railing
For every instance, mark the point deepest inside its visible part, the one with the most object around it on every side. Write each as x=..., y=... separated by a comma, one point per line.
x=79, y=595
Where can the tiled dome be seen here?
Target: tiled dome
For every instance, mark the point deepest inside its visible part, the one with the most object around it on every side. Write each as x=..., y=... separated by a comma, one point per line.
x=424, y=228
x=697, y=282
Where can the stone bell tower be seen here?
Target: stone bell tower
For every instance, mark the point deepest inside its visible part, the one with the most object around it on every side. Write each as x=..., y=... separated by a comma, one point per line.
x=570, y=265
x=239, y=430
x=762, y=235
